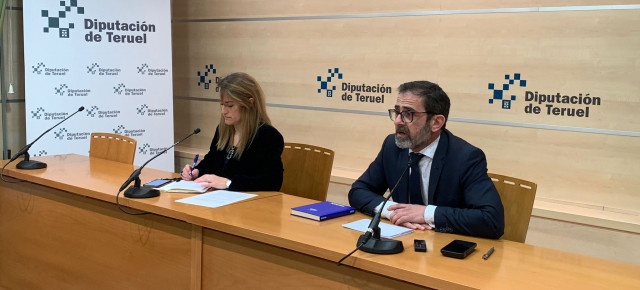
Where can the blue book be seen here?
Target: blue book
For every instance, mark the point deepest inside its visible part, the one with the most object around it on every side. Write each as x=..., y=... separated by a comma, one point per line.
x=322, y=210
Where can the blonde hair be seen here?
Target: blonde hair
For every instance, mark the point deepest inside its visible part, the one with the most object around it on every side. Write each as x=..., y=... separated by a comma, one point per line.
x=241, y=88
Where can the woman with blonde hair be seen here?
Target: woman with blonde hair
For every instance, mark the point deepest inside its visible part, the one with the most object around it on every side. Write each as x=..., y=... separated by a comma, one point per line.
x=245, y=154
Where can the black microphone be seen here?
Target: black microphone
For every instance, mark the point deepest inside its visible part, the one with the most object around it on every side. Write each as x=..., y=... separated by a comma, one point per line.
x=136, y=191
x=32, y=164
x=371, y=242
x=379, y=245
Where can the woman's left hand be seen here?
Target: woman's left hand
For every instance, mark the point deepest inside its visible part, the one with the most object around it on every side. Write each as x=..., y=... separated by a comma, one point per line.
x=212, y=180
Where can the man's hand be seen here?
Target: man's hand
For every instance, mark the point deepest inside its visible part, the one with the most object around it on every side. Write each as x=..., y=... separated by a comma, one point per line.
x=408, y=215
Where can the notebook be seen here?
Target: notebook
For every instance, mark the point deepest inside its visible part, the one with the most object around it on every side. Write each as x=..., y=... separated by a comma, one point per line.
x=184, y=186
x=322, y=210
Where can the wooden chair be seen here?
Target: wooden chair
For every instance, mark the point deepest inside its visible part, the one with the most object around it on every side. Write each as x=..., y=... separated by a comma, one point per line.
x=307, y=170
x=517, y=198
x=113, y=147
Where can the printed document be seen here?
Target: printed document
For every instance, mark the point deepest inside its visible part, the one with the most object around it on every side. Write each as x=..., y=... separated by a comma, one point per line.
x=386, y=230
x=217, y=198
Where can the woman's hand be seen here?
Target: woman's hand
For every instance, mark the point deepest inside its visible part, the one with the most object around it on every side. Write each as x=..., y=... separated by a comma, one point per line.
x=189, y=173
x=212, y=180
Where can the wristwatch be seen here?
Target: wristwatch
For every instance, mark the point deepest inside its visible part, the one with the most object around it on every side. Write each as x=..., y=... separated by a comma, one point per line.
x=228, y=183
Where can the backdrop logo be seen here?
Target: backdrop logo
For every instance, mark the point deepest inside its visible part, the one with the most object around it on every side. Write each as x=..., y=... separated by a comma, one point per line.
x=205, y=79
x=60, y=90
x=121, y=88
x=147, y=149
x=499, y=93
x=129, y=133
x=41, y=113
x=142, y=110
x=550, y=104
x=38, y=68
x=118, y=89
x=91, y=112
x=64, y=89
x=95, y=68
x=119, y=129
x=54, y=20
x=324, y=85
x=60, y=133
x=56, y=71
x=144, y=148
x=145, y=69
x=95, y=111
x=37, y=114
x=360, y=92
x=40, y=153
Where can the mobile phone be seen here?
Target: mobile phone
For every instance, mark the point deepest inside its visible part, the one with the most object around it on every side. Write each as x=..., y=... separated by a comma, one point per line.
x=157, y=183
x=458, y=249
x=419, y=245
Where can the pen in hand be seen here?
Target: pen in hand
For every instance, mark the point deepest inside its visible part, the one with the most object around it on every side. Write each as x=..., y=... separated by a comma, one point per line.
x=194, y=164
x=488, y=254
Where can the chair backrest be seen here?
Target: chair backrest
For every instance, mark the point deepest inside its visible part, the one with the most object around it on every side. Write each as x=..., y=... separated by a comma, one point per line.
x=113, y=147
x=517, y=198
x=307, y=170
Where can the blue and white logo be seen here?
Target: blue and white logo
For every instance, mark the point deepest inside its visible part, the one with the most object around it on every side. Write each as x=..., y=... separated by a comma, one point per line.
x=37, y=69
x=58, y=19
x=324, y=84
x=204, y=78
x=499, y=92
x=60, y=133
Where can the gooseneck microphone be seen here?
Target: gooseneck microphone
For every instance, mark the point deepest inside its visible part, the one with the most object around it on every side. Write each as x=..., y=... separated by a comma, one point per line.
x=136, y=191
x=32, y=164
x=370, y=241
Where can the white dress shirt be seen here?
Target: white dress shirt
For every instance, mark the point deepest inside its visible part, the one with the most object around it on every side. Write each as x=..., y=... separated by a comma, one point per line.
x=425, y=169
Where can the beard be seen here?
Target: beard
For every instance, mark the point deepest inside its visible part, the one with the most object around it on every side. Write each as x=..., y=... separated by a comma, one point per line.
x=410, y=142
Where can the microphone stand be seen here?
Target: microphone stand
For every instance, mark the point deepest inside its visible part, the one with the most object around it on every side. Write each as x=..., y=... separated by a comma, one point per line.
x=136, y=191
x=33, y=164
x=370, y=241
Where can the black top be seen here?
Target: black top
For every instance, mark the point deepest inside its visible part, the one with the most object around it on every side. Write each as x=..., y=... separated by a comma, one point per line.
x=258, y=169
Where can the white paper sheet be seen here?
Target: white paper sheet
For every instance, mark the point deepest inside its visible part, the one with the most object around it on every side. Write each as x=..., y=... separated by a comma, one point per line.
x=217, y=198
x=386, y=230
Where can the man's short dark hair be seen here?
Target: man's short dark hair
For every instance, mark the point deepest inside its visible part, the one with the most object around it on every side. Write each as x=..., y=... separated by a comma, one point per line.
x=434, y=99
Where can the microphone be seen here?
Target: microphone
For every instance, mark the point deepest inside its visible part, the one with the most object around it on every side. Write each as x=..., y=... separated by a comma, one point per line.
x=32, y=164
x=370, y=241
x=136, y=191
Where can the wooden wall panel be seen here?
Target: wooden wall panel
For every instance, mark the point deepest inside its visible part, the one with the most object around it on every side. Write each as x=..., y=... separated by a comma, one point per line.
x=189, y=9
x=568, y=52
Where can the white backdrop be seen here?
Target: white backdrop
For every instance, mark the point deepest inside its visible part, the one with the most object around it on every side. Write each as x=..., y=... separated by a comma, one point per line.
x=113, y=58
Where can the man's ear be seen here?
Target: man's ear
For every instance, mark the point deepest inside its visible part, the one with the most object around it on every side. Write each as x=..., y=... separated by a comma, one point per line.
x=437, y=122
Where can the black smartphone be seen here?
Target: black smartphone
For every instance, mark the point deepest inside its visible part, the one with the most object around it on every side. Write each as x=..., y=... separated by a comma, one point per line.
x=157, y=183
x=458, y=249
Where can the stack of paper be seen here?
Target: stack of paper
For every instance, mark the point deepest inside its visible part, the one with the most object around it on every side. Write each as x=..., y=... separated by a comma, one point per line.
x=386, y=230
x=184, y=186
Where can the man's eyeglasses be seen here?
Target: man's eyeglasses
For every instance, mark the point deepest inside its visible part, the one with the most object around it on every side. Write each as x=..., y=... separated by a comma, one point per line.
x=407, y=116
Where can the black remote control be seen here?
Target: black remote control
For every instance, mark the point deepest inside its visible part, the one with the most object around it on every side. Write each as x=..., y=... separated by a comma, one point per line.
x=419, y=245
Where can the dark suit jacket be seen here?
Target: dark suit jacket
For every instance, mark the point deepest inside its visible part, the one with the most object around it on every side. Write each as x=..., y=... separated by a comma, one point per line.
x=466, y=199
x=258, y=169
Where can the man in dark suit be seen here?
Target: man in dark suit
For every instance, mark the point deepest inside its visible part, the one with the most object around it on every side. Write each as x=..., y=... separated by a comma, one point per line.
x=447, y=188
